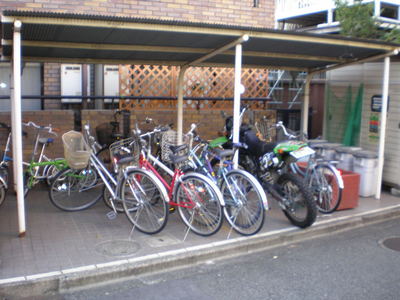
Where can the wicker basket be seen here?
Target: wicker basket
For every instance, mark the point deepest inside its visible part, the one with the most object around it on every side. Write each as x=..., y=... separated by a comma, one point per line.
x=76, y=150
x=124, y=148
x=169, y=138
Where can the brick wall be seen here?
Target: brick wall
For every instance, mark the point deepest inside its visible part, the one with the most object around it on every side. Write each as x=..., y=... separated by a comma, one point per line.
x=238, y=12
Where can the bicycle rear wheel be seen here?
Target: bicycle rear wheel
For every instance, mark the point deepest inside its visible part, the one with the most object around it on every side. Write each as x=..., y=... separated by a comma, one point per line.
x=2, y=192
x=199, y=203
x=324, y=183
x=144, y=200
x=74, y=190
x=244, y=197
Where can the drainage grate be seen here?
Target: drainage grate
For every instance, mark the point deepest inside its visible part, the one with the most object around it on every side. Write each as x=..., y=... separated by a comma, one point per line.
x=392, y=243
x=118, y=248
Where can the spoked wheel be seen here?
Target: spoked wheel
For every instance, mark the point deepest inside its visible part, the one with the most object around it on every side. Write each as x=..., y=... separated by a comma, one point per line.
x=107, y=198
x=73, y=190
x=243, y=197
x=300, y=206
x=50, y=171
x=199, y=204
x=324, y=183
x=144, y=200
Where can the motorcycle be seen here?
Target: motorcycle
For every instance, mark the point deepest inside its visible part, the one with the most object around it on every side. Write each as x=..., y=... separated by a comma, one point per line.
x=270, y=163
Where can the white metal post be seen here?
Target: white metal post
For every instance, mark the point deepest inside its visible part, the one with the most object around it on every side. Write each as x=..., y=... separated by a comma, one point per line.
x=179, y=125
x=382, y=129
x=236, y=99
x=17, y=127
x=306, y=103
x=377, y=8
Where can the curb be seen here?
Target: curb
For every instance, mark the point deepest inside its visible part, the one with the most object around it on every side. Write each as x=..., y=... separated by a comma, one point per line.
x=60, y=281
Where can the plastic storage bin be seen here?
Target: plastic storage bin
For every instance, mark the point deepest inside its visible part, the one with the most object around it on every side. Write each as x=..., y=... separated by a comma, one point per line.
x=76, y=151
x=345, y=157
x=366, y=164
x=327, y=150
x=351, y=182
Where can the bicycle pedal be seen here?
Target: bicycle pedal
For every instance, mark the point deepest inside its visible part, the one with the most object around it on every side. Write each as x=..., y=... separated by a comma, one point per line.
x=111, y=215
x=172, y=210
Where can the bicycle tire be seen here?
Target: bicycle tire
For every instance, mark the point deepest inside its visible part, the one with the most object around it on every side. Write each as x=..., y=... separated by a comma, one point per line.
x=145, y=200
x=205, y=217
x=325, y=187
x=299, y=198
x=74, y=190
x=244, y=202
x=107, y=198
x=3, y=191
x=50, y=171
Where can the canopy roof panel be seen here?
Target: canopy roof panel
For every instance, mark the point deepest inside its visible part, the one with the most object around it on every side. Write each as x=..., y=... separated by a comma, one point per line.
x=106, y=39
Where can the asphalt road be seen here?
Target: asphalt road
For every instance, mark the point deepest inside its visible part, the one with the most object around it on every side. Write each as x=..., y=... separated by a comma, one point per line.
x=347, y=265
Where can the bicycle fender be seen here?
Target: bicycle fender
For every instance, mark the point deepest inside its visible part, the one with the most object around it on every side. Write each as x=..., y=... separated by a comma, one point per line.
x=257, y=184
x=338, y=175
x=154, y=177
x=210, y=182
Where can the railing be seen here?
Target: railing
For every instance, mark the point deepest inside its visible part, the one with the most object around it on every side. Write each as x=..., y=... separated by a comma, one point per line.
x=292, y=8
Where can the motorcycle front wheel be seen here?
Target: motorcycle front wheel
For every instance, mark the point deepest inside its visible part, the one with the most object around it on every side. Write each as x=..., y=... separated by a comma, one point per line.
x=300, y=207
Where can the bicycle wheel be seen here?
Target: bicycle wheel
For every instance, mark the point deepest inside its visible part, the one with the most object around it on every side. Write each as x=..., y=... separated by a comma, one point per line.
x=199, y=203
x=244, y=197
x=2, y=192
x=300, y=207
x=50, y=171
x=324, y=183
x=74, y=190
x=144, y=200
x=107, y=198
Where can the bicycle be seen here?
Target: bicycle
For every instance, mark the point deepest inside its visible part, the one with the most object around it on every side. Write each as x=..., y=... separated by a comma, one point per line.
x=137, y=189
x=196, y=197
x=48, y=167
x=245, y=199
x=321, y=176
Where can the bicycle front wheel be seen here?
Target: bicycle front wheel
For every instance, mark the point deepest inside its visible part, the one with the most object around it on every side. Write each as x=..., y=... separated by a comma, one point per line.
x=74, y=190
x=2, y=192
x=199, y=203
x=144, y=200
x=244, y=197
x=324, y=183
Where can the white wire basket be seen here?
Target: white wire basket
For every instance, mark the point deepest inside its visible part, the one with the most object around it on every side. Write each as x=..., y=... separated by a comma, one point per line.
x=170, y=138
x=76, y=150
x=128, y=147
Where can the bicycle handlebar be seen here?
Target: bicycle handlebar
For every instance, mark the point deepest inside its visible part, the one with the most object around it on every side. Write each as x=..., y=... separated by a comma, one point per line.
x=289, y=135
x=49, y=129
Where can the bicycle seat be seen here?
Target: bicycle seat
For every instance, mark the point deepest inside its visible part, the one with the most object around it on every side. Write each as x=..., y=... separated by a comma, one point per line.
x=46, y=140
x=223, y=152
x=176, y=159
x=178, y=148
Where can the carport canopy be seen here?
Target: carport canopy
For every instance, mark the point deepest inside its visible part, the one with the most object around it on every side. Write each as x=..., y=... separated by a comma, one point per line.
x=76, y=38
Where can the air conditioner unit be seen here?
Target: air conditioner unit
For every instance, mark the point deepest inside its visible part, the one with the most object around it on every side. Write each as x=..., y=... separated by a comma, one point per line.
x=111, y=82
x=71, y=82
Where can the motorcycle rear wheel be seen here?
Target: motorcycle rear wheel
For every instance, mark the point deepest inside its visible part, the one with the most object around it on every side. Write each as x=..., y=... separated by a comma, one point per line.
x=301, y=209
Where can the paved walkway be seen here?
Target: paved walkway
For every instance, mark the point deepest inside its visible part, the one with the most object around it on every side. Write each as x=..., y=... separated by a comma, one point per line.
x=62, y=242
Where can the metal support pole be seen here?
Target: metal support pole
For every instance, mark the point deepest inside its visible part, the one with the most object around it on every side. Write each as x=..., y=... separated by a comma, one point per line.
x=382, y=129
x=377, y=8
x=236, y=99
x=179, y=125
x=17, y=128
x=305, y=108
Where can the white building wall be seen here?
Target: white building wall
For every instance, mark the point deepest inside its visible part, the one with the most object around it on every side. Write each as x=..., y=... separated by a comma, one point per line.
x=371, y=75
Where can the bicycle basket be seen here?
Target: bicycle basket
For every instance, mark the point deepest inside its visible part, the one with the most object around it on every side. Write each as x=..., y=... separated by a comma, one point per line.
x=170, y=138
x=76, y=150
x=124, y=148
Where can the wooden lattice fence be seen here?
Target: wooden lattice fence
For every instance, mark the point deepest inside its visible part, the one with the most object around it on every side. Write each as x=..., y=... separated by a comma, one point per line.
x=199, y=82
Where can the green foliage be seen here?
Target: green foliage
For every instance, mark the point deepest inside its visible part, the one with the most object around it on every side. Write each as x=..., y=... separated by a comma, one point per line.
x=358, y=21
